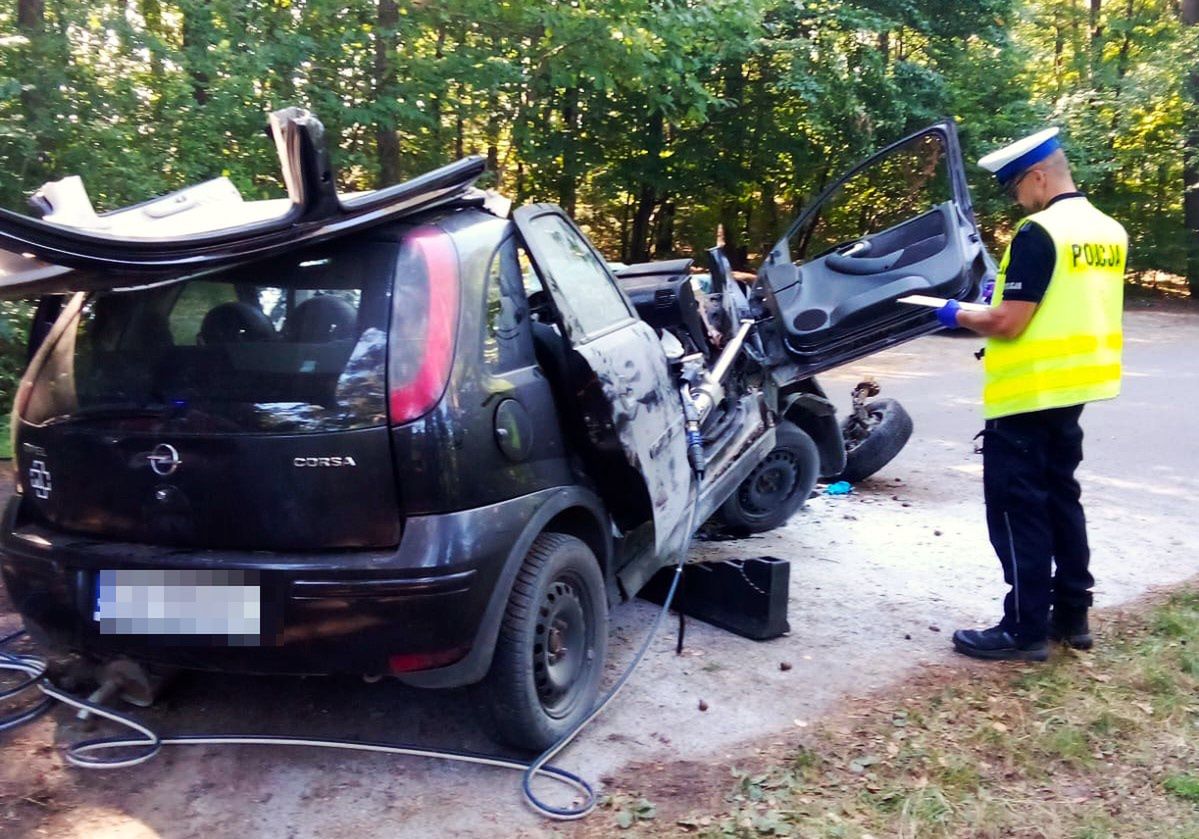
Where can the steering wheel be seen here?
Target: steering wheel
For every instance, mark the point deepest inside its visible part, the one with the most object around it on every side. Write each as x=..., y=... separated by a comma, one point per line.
x=541, y=307
x=855, y=258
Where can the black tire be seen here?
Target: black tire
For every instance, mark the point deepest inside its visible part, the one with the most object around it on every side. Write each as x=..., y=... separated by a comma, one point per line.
x=777, y=487
x=534, y=694
x=889, y=432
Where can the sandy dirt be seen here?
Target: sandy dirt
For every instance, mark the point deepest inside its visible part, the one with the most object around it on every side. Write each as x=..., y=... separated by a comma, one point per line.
x=879, y=580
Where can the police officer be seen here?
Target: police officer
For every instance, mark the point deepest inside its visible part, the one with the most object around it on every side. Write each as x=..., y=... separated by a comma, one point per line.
x=1053, y=344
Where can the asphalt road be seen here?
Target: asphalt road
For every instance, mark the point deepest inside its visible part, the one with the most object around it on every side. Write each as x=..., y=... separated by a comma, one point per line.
x=879, y=580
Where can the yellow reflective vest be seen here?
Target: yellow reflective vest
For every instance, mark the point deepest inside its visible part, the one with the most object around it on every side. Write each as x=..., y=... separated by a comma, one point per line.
x=1070, y=353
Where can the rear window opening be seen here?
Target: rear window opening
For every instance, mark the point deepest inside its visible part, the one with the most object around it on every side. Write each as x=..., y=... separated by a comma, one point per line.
x=286, y=346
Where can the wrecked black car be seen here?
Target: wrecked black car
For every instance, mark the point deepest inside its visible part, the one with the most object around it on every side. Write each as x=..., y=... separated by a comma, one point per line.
x=410, y=432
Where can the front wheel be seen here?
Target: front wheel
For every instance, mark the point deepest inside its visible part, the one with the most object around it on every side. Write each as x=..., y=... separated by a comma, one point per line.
x=777, y=487
x=872, y=445
x=549, y=656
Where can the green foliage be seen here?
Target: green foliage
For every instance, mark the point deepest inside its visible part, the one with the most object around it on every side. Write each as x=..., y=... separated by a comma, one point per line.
x=1183, y=785
x=654, y=121
x=14, y=336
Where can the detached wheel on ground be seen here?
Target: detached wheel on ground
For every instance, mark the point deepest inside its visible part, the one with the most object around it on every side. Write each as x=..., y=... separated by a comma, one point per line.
x=871, y=445
x=549, y=657
x=777, y=487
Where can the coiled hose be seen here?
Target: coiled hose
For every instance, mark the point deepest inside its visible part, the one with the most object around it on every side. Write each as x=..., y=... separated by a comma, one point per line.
x=89, y=754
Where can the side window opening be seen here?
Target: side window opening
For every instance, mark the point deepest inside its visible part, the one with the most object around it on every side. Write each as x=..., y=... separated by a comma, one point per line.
x=909, y=181
x=582, y=287
x=506, y=342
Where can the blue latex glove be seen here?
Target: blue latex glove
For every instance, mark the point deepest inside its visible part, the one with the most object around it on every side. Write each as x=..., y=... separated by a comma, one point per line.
x=948, y=314
x=988, y=290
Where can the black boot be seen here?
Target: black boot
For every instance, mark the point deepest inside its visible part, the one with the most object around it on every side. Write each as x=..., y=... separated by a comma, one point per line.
x=1068, y=625
x=997, y=644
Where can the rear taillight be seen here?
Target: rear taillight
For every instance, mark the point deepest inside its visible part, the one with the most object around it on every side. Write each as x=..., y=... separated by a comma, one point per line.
x=424, y=324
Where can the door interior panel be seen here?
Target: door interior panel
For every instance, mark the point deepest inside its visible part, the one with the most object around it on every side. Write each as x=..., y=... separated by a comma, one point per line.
x=834, y=294
x=841, y=303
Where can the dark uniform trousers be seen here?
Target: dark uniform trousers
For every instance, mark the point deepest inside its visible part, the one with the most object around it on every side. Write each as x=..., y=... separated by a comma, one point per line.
x=1035, y=517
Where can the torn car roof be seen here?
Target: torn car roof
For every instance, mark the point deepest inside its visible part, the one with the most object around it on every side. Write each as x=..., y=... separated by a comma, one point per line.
x=208, y=225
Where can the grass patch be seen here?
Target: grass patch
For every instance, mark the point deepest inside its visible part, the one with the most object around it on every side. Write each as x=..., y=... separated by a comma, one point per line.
x=1088, y=745
x=1184, y=786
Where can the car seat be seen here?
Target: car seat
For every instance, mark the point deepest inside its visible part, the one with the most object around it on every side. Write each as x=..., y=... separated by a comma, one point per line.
x=235, y=322
x=320, y=319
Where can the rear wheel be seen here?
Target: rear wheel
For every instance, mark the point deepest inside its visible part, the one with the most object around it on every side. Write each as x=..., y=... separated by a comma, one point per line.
x=777, y=487
x=872, y=445
x=549, y=657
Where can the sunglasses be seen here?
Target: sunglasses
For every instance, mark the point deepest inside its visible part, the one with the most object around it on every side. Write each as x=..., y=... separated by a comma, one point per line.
x=1011, y=188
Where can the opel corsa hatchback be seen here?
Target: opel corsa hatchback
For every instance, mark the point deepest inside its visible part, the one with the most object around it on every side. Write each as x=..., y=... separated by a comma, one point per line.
x=411, y=433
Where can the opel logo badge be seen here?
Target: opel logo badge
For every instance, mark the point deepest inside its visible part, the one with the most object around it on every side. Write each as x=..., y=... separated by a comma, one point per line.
x=164, y=460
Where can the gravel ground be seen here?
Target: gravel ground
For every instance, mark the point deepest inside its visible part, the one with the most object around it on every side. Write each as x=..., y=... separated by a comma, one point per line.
x=879, y=580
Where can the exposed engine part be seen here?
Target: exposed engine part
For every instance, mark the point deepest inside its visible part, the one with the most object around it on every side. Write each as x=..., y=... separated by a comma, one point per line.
x=693, y=369
x=671, y=346
x=711, y=390
x=695, y=440
x=860, y=423
x=128, y=680
x=864, y=390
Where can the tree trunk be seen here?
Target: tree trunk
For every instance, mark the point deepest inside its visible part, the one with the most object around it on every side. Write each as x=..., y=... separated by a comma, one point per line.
x=664, y=236
x=459, y=123
x=730, y=223
x=31, y=16
x=773, y=227
x=624, y=228
x=647, y=195
x=435, y=99
x=31, y=22
x=387, y=143
x=735, y=137
x=1059, y=46
x=1096, y=41
x=568, y=194
x=493, y=141
x=197, y=32
x=1109, y=177
x=1190, y=172
x=639, y=246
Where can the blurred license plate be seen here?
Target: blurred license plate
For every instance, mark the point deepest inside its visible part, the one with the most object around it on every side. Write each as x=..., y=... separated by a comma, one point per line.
x=180, y=603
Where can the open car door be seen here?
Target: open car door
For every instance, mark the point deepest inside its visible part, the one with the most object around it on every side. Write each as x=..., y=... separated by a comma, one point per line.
x=627, y=398
x=899, y=223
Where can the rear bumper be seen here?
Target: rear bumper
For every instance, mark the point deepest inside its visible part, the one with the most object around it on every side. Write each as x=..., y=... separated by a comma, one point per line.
x=423, y=605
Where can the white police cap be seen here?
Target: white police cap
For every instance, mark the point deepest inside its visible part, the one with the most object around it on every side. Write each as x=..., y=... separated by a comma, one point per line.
x=1009, y=161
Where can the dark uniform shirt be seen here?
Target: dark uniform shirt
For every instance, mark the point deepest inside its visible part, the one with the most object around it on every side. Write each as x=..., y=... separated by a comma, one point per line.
x=1032, y=261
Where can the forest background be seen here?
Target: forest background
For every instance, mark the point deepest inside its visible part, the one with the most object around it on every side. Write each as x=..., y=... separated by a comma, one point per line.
x=652, y=121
